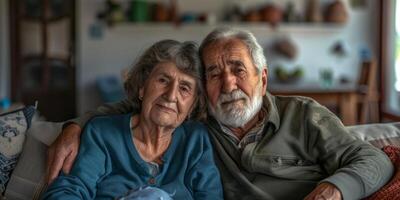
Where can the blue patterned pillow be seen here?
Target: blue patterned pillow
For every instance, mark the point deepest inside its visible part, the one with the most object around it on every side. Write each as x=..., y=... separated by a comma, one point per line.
x=13, y=126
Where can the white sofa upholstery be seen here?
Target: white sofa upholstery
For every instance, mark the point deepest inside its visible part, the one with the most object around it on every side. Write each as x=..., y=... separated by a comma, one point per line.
x=28, y=178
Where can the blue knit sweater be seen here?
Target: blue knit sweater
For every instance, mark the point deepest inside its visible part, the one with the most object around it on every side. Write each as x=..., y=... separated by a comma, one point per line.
x=108, y=164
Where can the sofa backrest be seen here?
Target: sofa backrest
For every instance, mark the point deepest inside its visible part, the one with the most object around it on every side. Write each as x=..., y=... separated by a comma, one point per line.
x=28, y=179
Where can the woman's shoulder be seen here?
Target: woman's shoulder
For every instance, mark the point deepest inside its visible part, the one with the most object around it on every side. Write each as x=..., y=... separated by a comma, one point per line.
x=194, y=130
x=104, y=125
x=194, y=126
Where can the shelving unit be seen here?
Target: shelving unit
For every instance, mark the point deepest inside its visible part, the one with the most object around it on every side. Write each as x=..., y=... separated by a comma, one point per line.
x=42, y=56
x=321, y=28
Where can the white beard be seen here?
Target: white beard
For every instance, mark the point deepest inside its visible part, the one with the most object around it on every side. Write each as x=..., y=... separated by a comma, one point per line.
x=237, y=116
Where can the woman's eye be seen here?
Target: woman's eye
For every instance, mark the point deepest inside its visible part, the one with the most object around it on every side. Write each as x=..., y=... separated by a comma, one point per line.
x=185, y=89
x=162, y=80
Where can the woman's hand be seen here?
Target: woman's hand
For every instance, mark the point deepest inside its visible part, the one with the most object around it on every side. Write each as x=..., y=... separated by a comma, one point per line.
x=62, y=153
x=325, y=191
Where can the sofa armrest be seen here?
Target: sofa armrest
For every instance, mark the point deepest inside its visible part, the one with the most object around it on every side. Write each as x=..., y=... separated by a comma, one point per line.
x=379, y=135
x=28, y=178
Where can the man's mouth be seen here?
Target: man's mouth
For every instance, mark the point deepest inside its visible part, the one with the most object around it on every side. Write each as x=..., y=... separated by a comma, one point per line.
x=232, y=101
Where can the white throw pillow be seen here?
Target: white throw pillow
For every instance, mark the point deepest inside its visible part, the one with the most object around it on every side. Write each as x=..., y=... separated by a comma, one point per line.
x=28, y=178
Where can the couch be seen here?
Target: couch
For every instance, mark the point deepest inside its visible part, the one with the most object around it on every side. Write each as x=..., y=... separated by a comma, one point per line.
x=28, y=179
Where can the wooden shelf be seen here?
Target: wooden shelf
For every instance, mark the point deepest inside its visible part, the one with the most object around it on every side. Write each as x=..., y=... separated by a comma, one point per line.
x=254, y=27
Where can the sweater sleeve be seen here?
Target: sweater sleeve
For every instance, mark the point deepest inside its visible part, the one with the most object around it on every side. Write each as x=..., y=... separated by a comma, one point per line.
x=89, y=167
x=355, y=167
x=204, y=176
x=124, y=106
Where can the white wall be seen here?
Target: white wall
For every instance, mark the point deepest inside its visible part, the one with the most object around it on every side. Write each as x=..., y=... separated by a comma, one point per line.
x=4, y=51
x=121, y=44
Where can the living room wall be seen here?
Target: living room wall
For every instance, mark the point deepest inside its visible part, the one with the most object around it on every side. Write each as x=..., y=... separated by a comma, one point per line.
x=4, y=53
x=118, y=46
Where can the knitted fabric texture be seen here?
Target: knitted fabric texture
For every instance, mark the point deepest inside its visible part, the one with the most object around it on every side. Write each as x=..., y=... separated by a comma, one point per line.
x=392, y=189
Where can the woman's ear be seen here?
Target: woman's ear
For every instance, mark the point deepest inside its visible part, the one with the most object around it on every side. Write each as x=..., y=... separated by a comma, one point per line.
x=141, y=93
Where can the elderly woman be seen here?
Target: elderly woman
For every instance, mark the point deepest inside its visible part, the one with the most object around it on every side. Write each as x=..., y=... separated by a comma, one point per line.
x=155, y=146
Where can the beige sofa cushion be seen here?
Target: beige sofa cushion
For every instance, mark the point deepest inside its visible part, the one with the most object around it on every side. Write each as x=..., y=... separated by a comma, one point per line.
x=28, y=178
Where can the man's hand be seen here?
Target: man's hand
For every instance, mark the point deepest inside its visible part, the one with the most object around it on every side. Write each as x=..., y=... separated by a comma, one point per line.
x=325, y=191
x=63, y=151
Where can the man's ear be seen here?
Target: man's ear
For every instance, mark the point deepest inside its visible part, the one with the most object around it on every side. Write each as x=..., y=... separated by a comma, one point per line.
x=264, y=79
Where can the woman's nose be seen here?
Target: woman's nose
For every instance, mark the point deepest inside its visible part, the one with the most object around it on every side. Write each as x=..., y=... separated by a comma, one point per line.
x=171, y=93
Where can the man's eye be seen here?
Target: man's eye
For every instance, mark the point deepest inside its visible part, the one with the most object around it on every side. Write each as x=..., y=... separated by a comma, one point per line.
x=213, y=75
x=240, y=70
x=163, y=80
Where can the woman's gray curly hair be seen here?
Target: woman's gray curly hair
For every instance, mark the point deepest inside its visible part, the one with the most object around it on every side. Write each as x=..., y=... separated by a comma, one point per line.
x=183, y=54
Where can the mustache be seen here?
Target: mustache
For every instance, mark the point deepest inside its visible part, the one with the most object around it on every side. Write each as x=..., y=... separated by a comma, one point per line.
x=234, y=95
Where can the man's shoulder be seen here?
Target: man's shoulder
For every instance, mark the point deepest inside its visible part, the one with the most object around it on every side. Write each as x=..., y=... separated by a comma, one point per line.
x=283, y=102
x=293, y=99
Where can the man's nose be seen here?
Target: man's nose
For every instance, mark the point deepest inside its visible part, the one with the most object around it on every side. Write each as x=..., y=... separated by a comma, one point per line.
x=228, y=83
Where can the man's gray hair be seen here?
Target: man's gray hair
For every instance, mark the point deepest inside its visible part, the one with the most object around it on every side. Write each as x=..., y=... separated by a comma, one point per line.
x=183, y=54
x=226, y=33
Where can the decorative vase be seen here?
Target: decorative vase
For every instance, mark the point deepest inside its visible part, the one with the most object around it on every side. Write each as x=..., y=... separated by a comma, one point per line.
x=336, y=13
x=271, y=14
x=313, y=13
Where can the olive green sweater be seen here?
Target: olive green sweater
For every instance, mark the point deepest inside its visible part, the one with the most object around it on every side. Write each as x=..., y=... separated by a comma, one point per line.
x=304, y=144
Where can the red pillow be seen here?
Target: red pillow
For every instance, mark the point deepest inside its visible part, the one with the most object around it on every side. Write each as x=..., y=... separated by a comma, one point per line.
x=392, y=189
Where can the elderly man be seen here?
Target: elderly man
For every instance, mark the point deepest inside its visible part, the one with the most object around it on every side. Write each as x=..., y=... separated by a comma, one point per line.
x=266, y=147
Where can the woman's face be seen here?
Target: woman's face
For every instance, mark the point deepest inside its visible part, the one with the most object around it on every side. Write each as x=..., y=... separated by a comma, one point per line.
x=168, y=95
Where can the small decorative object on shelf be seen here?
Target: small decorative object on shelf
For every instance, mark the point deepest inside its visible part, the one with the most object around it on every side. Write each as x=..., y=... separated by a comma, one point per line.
x=313, y=13
x=290, y=13
x=139, y=11
x=336, y=13
x=326, y=77
x=272, y=14
x=252, y=16
x=112, y=14
x=285, y=76
x=340, y=49
x=233, y=13
x=161, y=12
x=286, y=48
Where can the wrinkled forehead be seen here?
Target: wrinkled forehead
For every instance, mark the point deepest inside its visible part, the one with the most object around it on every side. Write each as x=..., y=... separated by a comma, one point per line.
x=225, y=47
x=170, y=69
